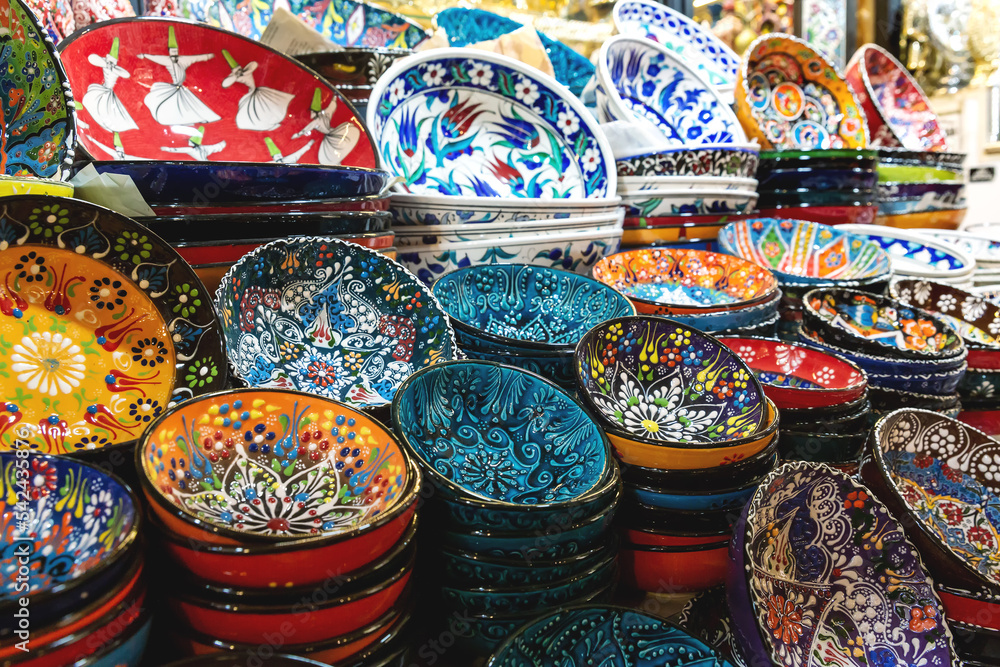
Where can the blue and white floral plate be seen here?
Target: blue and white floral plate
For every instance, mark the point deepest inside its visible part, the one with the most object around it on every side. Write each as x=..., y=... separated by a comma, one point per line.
x=640, y=78
x=912, y=254
x=467, y=123
x=657, y=203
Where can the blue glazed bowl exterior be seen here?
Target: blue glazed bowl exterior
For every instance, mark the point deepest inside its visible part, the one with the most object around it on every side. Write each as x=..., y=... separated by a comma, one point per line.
x=816, y=179
x=691, y=502
x=733, y=319
x=474, y=570
x=557, y=368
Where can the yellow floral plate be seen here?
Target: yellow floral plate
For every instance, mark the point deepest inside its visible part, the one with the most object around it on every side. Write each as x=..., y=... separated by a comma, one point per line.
x=102, y=326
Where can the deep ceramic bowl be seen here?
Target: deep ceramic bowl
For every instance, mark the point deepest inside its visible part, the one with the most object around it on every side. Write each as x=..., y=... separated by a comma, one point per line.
x=224, y=468
x=659, y=382
x=352, y=67
x=477, y=570
x=352, y=331
x=861, y=213
x=527, y=307
x=805, y=252
x=789, y=96
x=81, y=529
x=880, y=325
x=479, y=429
x=674, y=569
x=814, y=178
x=673, y=281
x=728, y=160
x=796, y=376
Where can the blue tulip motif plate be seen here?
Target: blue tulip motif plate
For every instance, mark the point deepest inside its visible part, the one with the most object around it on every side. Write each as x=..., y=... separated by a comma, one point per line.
x=464, y=123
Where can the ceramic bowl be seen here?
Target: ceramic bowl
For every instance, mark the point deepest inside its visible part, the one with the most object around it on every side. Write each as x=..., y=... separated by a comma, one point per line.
x=158, y=88
x=770, y=199
x=639, y=78
x=722, y=160
x=353, y=67
x=453, y=232
x=207, y=252
x=898, y=112
x=692, y=202
x=772, y=617
x=473, y=398
x=106, y=325
x=704, y=500
x=732, y=473
x=754, y=320
x=843, y=418
x=678, y=281
x=921, y=158
x=353, y=334
x=820, y=447
x=900, y=210
x=438, y=209
x=804, y=252
x=632, y=185
x=674, y=569
x=796, y=376
x=863, y=213
x=913, y=254
x=68, y=567
x=896, y=173
x=557, y=367
x=931, y=193
x=486, y=144
x=373, y=203
x=840, y=158
x=789, y=96
x=705, y=616
x=229, y=228
x=816, y=179
x=465, y=26
x=476, y=570
x=885, y=400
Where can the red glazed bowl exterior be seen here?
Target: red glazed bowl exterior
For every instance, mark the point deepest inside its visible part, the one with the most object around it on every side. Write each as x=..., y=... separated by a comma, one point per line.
x=825, y=215
x=674, y=569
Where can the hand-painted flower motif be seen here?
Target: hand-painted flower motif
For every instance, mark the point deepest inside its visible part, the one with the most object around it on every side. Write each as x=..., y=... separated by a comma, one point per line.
x=108, y=294
x=923, y=619
x=784, y=618
x=48, y=363
x=31, y=268
x=568, y=122
x=526, y=90
x=480, y=73
x=188, y=300
x=149, y=352
x=202, y=373
x=133, y=247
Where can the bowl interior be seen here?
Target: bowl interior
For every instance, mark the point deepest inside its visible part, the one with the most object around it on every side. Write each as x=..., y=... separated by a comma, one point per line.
x=274, y=463
x=977, y=320
x=499, y=433
x=780, y=364
x=902, y=103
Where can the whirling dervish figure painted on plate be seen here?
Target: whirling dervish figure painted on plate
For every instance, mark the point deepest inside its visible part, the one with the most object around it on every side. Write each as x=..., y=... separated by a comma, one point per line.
x=101, y=101
x=292, y=158
x=338, y=141
x=195, y=146
x=261, y=109
x=172, y=103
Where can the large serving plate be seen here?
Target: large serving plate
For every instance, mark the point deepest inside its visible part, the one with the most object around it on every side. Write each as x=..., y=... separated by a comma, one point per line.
x=164, y=89
x=102, y=325
x=470, y=123
x=640, y=78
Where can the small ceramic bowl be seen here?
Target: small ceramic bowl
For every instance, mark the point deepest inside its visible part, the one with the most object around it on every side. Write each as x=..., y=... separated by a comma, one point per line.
x=885, y=400
x=796, y=376
x=914, y=254
x=705, y=500
x=755, y=320
x=354, y=66
x=671, y=281
x=845, y=418
x=674, y=569
x=557, y=367
x=722, y=160
x=921, y=158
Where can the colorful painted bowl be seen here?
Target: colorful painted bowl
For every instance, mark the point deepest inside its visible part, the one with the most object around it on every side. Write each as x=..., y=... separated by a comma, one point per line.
x=158, y=88
x=839, y=158
x=674, y=569
x=843, y=418
x=896, y=173
x=373, y=203
x=755, y=319
x=804, y=252
x=789, y=96
x=702, y=500
x=451, y=133
x=938, y=193
x=672, y=281
x=105, y=327
x=639, y=78
x=472, y=399
x=655, y=203
x=437, y=209
x=353, y=68
x=722, y=160
x=353, y=332
x=921, y=158
x=29, y=185
x=784, y=607
x=898, y=112
x=78, y=538
x=942, y=477
x=39, y=125
x=224, y=468
x=208, y=252
x=585, y=634
x=687, y=480
x=880, y=325
x=913, y=254
x=656, y=381
x=885, y=400
x=804, y=197
x=796, y=376
x=469, y=26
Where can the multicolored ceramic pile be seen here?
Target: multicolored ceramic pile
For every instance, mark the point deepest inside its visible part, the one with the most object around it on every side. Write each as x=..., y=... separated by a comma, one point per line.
x=920, y=189
x=694, y=433
x=515, y=530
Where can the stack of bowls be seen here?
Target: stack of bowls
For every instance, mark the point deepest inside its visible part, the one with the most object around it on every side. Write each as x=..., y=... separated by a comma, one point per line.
x=914, y=255
x=523, y=493
x=908, y=354
x=526, y=316
x=73, y=590
x=985, y=250
x=807, y=255
x=822, y=399
x=477, y=183
x=939, y=476
x=826, y=186
x=353, y=70
x=694, y=434
x=277, y=509
x=709, y=291
x=920, y=189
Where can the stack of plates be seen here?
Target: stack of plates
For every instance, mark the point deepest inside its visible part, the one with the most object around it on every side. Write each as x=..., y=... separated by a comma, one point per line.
x=920, y=189
x=478, y=183
x=984, y=249
x=914, y=255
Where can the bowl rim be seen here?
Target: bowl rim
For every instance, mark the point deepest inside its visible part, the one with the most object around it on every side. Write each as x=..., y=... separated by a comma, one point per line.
x=408, y=493
x=746, y=462
x=581, y=524
x=452, y=551
x=900, y=362
x=497, y=339
x=374, y=50
x=970, y=344
x=608, y=561
x=437, y=478
x=867, y=153
x=678, y=549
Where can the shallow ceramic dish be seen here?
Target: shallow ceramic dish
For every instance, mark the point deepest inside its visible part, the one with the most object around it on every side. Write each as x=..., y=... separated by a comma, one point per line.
x=722, y=160
x=655, y=203
x=353, y=68
x=911, y=253
x=804, y=252
x=159, y=88
x=640, y=78
x=105, y=326
x=444, y=129
x=39, y=119
x=584, y=634
x=656, y=381
x=776, y=619
x=466, y=26
x=796, y=376
x=985, y=250
x=354, y=327
x=713, y=59
x=463, y=397
x=898, y=112
x=218, y=228
x=788, y=96
x=812, y=178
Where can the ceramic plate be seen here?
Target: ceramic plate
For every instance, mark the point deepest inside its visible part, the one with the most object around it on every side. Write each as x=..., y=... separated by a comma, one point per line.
x=715, y=61
x=38, y=112
x=638, y=77
x=820, y=568
x=913, y=254
x=103, y=326
x=460, y=122
x=985, y=250
x=167, y=89
x=331, y=318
